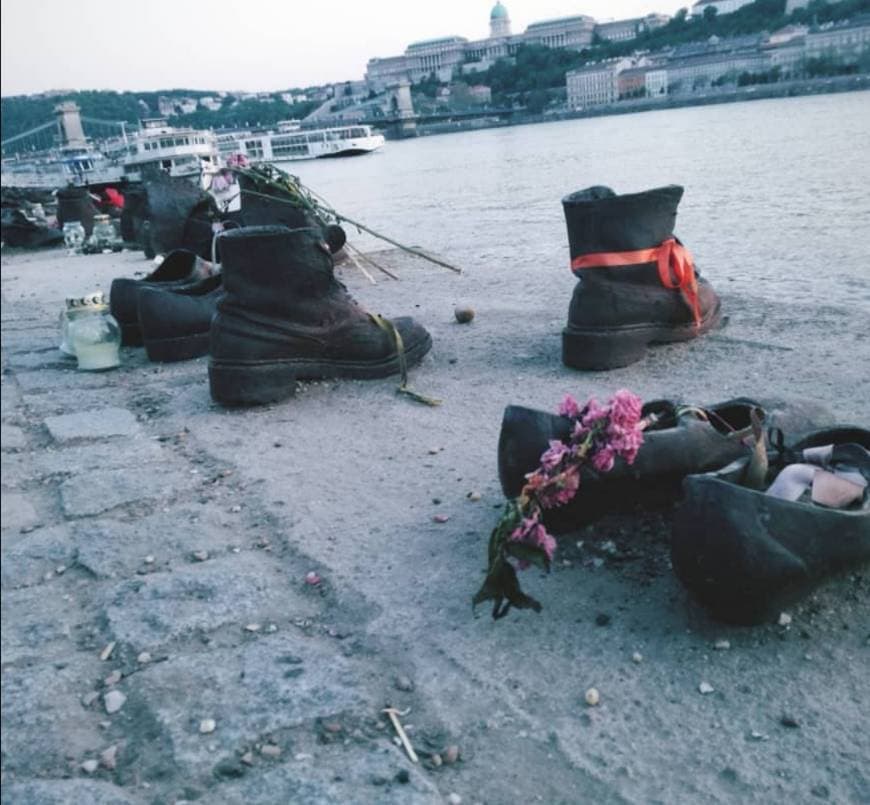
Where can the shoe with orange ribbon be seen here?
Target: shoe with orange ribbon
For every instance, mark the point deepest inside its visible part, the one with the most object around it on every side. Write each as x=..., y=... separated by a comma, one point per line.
x=637, y=283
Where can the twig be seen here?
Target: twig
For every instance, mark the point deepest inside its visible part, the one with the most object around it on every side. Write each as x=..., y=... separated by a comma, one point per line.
x=396, y=243
x=368, y=259
x=400, y=731
x=359, y=265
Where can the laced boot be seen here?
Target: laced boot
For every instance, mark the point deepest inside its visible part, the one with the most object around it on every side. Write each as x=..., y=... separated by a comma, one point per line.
x=75, y=204
x=285, y=317
x=637, y=282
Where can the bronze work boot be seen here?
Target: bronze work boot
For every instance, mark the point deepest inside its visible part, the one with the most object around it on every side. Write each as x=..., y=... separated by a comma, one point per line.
x=285, y=317
x=637, y=283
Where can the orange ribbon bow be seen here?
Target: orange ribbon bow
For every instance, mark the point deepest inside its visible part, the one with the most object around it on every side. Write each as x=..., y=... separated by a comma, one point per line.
x=676, y=269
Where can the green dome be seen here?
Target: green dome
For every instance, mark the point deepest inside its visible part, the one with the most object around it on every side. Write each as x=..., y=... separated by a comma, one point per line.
x=499, y=12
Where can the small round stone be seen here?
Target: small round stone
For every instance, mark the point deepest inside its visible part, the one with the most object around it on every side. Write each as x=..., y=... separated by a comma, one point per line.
x=404, y=683
x=144, y=658
x=451, y=754
x=454, y=799
x=90, y=766
x=705, y=688
x=592, y=697
x=207, y=726
x=637, y=657
x=114, y=701
x=463, y=313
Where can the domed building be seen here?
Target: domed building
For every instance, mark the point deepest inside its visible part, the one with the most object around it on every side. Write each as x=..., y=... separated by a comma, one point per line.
x=499, y=21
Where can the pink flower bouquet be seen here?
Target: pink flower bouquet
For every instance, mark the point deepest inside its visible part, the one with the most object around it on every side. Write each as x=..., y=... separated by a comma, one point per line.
x=600, y=434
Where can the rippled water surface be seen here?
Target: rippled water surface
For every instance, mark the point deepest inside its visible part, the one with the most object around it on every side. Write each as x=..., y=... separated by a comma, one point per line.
x=777, y=199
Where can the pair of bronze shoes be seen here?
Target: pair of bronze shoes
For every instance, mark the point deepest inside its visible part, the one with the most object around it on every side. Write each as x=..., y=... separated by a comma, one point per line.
x=750, y=535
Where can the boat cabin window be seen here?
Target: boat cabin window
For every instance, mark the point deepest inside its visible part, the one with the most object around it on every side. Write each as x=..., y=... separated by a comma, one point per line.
x=254, y=148
x=357, y=132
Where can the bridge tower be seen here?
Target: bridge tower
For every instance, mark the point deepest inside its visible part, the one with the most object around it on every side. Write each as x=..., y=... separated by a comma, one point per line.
x=69, y=121
x=402, y=110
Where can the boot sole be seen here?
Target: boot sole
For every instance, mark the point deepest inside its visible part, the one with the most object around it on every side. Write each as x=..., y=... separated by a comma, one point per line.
x=171, y=350
x=259, y=382
x=614, y=348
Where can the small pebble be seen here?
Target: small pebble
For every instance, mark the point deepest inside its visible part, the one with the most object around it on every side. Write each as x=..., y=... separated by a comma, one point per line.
x=755, y=735
x=89, y=698
x=451, y=754
x=454, y=799
x=474, y=496
x=90, y=766
x=235, y=509
x=463, y=313
x=434, y=451
x=789, y=721
x=270, y=750
x=300, y=756
x=144, y=658
x=114, y=701
x=253, y=627
x=722, y=645
x=435, y=760
x=440, y=518
x=784, y=619
x=109, y=757
x=149, y=560
x=200, y=556
x=248, y=758
x=112, y=679
x=207, y=726
x=592, y=697
x=705, y=688
x=60, y=570
x=637, y=657
x=404, y=683
x=312, y=578
x=107, y=651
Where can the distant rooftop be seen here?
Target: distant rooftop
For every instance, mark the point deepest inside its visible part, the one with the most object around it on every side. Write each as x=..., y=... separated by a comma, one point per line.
x=544, y=23
x=444, y=40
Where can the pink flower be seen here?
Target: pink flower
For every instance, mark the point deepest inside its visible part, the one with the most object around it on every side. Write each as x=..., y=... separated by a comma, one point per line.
x=625, y=409
x=603, y=458
x=531, y=532
x=552, y=457
x=593, y=412
x=560, y=489
x=569, y=407
x=625, y=441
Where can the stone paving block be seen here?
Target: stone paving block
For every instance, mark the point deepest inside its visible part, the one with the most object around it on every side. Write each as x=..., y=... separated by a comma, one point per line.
x=278, y=681
x=27, y=558
x=12, y=437
x=101, y=490
x=55, y=402
x=44, y=719
x=67, y=792
x=17, y=512
x=51, y=358
x=238, y=589
x=101, y=423
x=38, y=622
x=111, y=549
x=80, y=458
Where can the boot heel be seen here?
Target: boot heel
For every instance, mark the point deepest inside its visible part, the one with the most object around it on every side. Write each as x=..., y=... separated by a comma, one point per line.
x=257, y=384
x=608, y=349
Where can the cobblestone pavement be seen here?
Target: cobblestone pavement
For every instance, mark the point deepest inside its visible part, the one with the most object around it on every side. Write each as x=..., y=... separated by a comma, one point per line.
x=161, y=644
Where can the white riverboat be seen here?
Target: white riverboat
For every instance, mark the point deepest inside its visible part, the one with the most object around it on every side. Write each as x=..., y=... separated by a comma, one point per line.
x=156, y=145
x=291, y=143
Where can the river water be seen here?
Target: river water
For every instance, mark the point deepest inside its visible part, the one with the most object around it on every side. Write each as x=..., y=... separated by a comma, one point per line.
x=777, y=200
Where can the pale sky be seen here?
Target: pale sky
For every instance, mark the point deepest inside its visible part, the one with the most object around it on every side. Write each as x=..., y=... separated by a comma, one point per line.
x=231, y=45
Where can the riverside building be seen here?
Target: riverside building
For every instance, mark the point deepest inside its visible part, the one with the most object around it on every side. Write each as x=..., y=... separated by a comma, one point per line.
x=447, y=56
